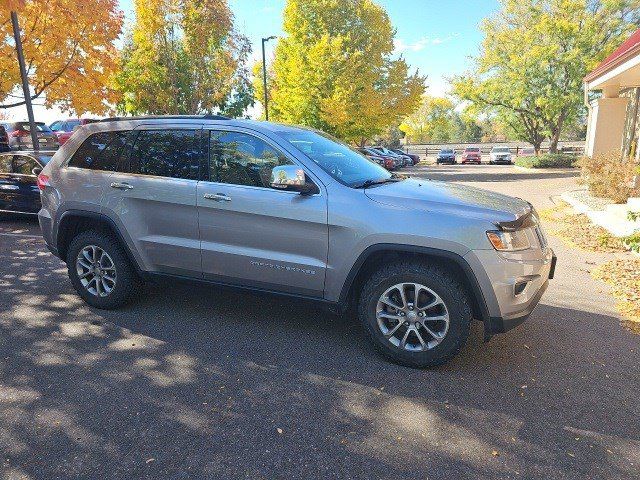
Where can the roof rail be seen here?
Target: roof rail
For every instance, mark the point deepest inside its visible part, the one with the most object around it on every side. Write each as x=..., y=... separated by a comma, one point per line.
x=168, y=117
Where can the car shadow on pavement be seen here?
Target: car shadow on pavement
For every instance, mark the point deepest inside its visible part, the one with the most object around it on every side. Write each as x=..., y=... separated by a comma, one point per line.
x=197, y=382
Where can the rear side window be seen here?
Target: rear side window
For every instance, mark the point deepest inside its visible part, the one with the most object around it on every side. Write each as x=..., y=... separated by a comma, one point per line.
x=101, y=151
x=167, y=153
x=5, y=163
x=24, y=165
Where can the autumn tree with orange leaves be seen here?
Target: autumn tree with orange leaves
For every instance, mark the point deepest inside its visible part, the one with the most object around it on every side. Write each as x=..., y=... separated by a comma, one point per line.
x=69, y=52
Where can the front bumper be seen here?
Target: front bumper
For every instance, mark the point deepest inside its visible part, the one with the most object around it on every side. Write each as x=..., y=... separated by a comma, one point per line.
x=512, y=284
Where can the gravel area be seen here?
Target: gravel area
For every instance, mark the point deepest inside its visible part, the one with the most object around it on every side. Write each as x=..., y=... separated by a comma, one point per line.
x=594, y=203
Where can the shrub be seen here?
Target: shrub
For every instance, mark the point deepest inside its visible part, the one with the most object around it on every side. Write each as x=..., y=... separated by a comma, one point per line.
x=609, y=176
x=632, y=242
x=547, y=160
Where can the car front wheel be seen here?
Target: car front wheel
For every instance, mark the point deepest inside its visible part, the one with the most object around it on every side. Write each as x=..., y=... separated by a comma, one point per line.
x=415, y=314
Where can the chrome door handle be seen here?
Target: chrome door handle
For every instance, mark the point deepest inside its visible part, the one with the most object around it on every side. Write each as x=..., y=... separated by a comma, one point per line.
x=121, y=186
x=218, y=197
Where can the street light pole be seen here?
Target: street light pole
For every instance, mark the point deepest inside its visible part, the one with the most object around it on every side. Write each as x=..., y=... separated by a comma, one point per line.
x=25, y=80
x=264, y=78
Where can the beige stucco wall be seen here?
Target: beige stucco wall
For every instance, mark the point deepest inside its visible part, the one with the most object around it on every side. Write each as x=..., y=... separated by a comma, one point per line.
x=605, y=128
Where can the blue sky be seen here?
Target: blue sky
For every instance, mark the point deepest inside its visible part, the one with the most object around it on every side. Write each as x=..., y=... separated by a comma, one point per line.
x=434, y=36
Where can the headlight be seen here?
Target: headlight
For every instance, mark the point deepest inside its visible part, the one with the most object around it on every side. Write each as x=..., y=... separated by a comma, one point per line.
x=509, y=241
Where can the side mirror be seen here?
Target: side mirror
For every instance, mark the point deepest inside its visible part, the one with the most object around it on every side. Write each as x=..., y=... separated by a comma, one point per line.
x=293, y=179
x=36, y=171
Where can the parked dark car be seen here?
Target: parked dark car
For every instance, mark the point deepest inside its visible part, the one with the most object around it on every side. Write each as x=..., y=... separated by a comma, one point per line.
x=63, y=129
x=371, y=156
x=471, y=155
x=20, y=136
x=446, y=155
x=414, y=158
x=391, y=162
x=405, y=160
x=4, y=140
x=19, y=190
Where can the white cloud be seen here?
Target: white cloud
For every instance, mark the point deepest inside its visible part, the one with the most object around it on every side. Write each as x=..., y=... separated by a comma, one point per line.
x=401, y=46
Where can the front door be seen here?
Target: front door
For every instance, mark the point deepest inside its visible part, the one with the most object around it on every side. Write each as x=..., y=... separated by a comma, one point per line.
x=251, y=234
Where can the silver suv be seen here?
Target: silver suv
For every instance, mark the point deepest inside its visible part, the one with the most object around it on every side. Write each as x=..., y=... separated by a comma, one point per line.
x=292, y=211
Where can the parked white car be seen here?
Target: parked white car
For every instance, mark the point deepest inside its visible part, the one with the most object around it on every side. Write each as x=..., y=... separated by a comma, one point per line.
x=500, y=155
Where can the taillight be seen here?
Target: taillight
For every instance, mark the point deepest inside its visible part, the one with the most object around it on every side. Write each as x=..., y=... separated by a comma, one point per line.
x=19, y=133
x=43, y=181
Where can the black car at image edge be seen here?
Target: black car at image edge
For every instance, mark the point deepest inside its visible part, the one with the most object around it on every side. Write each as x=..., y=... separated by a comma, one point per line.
x=19, y=189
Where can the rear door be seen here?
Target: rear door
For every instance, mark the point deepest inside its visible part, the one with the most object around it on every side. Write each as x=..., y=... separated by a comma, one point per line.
x=253, y=235
x=27, y=197
x=8, y=184
x=153, y=198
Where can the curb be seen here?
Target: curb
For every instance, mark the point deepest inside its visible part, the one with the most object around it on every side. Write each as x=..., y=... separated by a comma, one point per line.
x=597, y=217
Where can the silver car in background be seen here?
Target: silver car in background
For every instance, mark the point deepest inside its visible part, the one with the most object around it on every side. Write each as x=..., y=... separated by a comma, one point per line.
x=500, y=155
x=19, y=135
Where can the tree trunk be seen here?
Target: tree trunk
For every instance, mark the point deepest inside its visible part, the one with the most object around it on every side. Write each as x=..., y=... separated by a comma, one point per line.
x=553, y=145
x=556, y=130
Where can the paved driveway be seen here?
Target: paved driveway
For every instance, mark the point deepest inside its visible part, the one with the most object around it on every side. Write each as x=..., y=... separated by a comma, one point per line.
x=203, y=383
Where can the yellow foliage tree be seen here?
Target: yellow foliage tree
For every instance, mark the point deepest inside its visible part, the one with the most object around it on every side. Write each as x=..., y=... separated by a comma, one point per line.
x=185, y=57
x=69, y=53
x=334, y=70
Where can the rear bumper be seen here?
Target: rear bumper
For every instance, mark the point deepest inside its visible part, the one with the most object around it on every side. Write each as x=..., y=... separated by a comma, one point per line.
x=46, y=227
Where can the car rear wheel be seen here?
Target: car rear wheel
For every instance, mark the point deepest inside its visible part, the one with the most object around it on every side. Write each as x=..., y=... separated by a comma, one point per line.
x=100, y=271
x=415, y=314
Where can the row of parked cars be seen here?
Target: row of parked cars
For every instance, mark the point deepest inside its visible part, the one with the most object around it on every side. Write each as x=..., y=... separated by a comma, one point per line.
x=389, y=158
x=17, y=135
x=474, y=155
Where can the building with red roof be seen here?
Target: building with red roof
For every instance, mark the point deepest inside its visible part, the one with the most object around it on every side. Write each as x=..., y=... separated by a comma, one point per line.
x=613, y=115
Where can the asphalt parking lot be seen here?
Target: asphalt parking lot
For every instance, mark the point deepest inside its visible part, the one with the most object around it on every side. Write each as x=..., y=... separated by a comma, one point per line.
x=204, y=383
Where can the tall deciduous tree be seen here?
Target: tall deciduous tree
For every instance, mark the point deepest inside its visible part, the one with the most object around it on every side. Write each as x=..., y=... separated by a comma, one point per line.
x=69, y=53
x=432, y=122
x=534, y=56
x=184, y=57
x=335, y=71
x=437, y=120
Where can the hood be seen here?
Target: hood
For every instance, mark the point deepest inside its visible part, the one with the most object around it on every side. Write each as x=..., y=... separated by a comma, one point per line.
x=451, y=198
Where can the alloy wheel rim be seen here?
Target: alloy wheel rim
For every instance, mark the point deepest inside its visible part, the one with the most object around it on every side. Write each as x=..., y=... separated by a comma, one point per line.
x=96, y=271
x=412, y=317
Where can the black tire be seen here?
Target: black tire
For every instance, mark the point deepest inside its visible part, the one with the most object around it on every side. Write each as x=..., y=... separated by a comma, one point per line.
x=444, y=284
x=127, y=283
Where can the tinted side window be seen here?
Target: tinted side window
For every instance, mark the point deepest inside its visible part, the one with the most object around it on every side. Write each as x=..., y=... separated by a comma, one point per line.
x=242, y=159
x=101, y=151
x=23, y=164
x=5, y=163
x=167, y=153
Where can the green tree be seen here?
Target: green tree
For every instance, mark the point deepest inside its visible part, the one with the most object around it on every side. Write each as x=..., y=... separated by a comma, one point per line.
x=434, y=121
x=334, y=70
x=534, y=56
x=184, y=57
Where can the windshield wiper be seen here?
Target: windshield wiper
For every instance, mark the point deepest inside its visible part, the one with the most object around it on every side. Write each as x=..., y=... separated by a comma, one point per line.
x=369, y=183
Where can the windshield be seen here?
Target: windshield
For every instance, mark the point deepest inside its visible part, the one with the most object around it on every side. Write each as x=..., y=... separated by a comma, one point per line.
x=446, y=151
x=40, y=127
x=501, y=149
x=336, y=158
x=472, y=149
